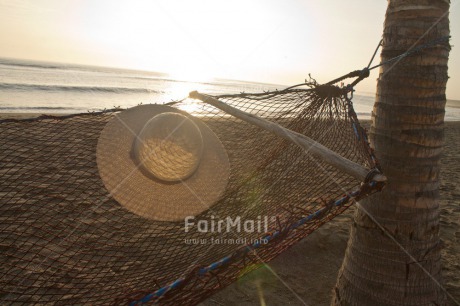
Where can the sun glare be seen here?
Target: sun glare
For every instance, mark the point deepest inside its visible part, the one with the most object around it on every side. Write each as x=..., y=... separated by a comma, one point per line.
x=181, y=89
x=191, y=108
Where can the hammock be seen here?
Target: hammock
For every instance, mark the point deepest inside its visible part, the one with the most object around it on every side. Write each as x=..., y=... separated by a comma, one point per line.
x=65, y=240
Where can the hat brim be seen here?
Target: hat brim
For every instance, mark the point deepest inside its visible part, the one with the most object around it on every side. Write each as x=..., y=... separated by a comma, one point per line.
x=146, y=196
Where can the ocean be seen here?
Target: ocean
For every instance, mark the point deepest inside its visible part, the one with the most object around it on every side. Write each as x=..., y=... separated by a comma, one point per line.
x=41, y=87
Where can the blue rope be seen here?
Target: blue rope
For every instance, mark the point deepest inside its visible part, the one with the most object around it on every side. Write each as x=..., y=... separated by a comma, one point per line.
x=356, y=131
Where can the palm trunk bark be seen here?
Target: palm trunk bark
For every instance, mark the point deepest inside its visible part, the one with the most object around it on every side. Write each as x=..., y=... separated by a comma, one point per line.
x=393, y=253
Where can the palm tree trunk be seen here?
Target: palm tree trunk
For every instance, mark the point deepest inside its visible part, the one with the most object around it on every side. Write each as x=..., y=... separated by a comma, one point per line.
x=393, y=253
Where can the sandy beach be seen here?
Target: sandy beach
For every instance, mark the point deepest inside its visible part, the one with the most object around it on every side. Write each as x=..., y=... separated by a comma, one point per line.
x=306, y=273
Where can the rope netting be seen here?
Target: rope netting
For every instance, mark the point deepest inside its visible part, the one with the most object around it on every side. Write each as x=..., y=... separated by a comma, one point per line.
x=65, y=240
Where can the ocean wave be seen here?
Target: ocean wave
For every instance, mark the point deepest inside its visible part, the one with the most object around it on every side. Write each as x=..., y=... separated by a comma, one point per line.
x=52, y=66
x=28, y=87
x=31, y=65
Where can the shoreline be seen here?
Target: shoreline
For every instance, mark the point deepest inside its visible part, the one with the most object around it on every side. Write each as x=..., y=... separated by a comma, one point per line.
x=28, y=115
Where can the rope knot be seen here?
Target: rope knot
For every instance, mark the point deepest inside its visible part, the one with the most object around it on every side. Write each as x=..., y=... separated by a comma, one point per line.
x=364, y=73
x=328, y=91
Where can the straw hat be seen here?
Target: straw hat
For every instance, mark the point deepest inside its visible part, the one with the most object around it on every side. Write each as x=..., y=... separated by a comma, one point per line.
x=161, y=163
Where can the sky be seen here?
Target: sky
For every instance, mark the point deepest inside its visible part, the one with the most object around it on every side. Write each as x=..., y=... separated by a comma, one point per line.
x=272, y=41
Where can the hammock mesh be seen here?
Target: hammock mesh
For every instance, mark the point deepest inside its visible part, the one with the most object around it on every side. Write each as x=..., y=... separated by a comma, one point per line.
x=65, y=241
